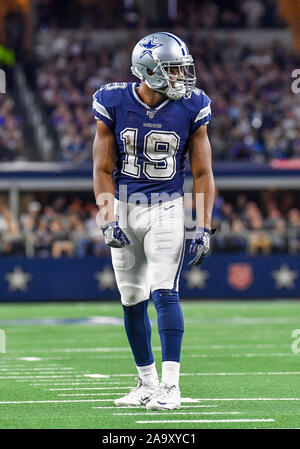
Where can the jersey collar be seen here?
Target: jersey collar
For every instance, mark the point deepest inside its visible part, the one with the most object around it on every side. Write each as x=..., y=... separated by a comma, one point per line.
x=136, y=96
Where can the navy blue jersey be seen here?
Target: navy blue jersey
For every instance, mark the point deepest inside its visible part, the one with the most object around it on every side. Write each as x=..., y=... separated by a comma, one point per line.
x=151, y=142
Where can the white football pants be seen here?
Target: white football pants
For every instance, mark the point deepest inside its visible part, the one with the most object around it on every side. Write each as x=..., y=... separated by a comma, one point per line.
x=153, y=260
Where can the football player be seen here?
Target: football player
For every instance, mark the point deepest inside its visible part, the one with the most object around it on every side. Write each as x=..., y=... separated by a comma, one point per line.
x=144, y=131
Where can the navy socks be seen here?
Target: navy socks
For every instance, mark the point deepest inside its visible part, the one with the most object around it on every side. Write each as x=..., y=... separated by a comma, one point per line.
x=170, y=327
x=170, y=323
x=138, y=330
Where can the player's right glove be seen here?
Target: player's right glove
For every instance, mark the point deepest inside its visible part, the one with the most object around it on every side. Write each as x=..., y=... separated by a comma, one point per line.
x=114, y=236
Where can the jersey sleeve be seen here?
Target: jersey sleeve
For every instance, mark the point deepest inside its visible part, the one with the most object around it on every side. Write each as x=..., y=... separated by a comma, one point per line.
x=102, y=107
x=202, y=112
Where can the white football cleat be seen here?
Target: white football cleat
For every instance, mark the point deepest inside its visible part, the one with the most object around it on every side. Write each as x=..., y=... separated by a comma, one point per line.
x=167, y=397
x=138, y=396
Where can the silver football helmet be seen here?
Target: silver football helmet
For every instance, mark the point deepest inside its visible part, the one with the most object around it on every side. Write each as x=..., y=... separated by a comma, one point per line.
x=163, y=62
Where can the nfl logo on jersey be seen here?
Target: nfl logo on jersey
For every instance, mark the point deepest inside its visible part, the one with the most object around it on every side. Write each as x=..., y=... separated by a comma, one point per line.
x=150, y=114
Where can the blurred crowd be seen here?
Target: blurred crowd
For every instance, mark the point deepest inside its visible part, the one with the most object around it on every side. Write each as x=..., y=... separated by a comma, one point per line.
x=99, y=14
x=11, y=130
x=255, y=115
x=268, y=223
x=209, y=14
x=53, y=230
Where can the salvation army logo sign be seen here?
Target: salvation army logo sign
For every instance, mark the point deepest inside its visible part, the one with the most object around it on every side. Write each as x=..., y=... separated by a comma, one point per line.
x=240, y=276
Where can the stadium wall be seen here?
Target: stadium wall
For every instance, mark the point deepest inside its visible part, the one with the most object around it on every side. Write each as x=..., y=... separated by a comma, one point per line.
x=92, y=279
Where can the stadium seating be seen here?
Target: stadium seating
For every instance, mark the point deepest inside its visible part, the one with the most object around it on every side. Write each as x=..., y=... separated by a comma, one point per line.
x=253, y=119
x=267, y=223
x=11, y=130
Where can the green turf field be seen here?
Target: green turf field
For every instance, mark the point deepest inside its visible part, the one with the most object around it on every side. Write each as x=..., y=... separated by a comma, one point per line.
x=238, y=368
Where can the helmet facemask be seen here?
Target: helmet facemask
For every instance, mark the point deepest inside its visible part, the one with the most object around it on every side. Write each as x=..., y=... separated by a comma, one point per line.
x=179, y=79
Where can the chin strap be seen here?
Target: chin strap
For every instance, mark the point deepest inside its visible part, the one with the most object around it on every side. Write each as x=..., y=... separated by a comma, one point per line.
x=169, y=92
x=174, y=95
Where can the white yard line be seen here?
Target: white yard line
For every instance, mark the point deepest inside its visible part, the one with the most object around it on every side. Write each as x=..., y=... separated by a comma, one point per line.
x=248, y=399
x=183, y=400
x=97, y=349
x=46, y=384
x=112, y=357
x=18, y=373
x=93, y=388
x=275, y=354
x=97, y=376
x=127, y=348
x=203, y=356
x=186, y=400
x=123, y=375
x=253, y=373
x=204, y=421
x=242, y=320
x=60, y=401
x=45, y=359
x=171, y=412
x=182, y=406
x=27, y=368
x=48, y=378
x=266, y=345
x=92, y=394
x=40, y=377
x=30, y=359
x=22, y=364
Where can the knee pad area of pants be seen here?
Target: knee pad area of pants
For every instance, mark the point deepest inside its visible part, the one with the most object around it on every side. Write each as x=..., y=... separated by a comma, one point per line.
x=169, y=313
x=132, y=294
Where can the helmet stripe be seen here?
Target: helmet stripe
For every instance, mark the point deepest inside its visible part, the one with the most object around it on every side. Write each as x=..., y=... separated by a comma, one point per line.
x=174, y=37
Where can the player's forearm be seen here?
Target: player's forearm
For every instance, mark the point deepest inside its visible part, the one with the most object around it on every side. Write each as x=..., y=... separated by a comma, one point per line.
x=204, y=194
x=104, y=190
x=104, y=160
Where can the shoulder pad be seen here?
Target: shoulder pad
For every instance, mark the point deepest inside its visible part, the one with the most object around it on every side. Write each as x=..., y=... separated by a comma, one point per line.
x=110, y=94
x=198, y=100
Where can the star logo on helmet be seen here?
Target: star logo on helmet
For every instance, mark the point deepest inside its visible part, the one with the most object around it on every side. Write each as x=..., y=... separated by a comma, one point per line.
x=148, y=48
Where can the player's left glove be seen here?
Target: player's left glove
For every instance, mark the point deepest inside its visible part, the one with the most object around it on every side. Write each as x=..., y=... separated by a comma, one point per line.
x=200, y=245
x=114, y=236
